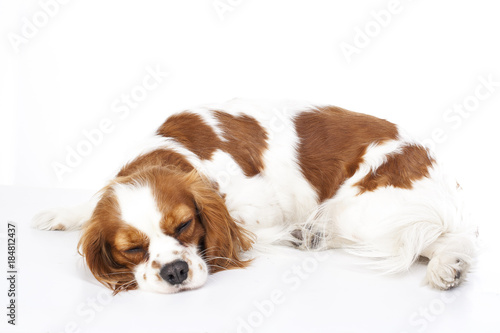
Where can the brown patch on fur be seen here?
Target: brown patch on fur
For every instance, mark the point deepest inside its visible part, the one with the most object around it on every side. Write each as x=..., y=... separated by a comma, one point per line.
x=158, y=277
x=174, y=215
x=127, y=237
x=332, y=144
x=200, y=266
x=59, y=227
x=155, y=264
x=144, y=276
x=224, y=239
x=176, y=252
x=160, y=157
x=192, y=132
x=97, y=244
x=400, y=170
x=244, y=139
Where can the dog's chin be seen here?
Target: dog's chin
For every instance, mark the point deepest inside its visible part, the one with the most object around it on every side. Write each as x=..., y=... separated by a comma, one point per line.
x=169, y=289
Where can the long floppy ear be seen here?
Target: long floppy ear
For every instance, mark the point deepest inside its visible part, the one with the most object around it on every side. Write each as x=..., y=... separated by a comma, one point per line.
x=224, y=238
x=97, y=250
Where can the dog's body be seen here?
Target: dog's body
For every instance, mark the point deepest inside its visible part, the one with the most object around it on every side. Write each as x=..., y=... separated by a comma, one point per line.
x=316, y=177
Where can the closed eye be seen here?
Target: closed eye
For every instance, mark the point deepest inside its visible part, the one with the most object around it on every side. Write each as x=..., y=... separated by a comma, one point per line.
x=183, y=226
x=136, y=249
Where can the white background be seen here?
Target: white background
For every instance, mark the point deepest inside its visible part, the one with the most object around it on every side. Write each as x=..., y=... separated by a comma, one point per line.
x=66, y=78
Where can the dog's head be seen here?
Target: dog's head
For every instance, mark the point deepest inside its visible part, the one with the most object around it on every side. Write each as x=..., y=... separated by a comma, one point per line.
x=161, y=230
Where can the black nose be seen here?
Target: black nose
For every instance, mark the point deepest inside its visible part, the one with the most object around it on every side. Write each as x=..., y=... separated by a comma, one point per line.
x=175, y=272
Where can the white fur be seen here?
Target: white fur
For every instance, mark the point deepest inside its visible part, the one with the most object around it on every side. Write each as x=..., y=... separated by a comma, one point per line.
x=65, y=218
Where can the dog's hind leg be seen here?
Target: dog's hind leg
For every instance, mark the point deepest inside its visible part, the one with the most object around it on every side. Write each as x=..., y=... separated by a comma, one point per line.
x=450, y=258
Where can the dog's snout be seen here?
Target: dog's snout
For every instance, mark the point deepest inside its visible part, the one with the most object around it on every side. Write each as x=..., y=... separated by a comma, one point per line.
x=175, y=272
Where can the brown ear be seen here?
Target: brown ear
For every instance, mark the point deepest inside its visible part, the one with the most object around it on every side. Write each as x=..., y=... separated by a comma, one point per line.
x=97, y=250
x=224, y=238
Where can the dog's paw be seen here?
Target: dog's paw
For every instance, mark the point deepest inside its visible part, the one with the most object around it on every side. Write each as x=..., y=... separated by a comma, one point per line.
x=445, y=272
x=65, y=218
x=54, y=219
x=305, y=238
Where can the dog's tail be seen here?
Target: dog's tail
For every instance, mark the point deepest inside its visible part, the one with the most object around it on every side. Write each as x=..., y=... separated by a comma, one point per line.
x=398, y=250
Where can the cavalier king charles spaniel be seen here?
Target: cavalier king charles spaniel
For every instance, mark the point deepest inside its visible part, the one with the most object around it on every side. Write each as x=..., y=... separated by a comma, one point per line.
x=218, y=180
